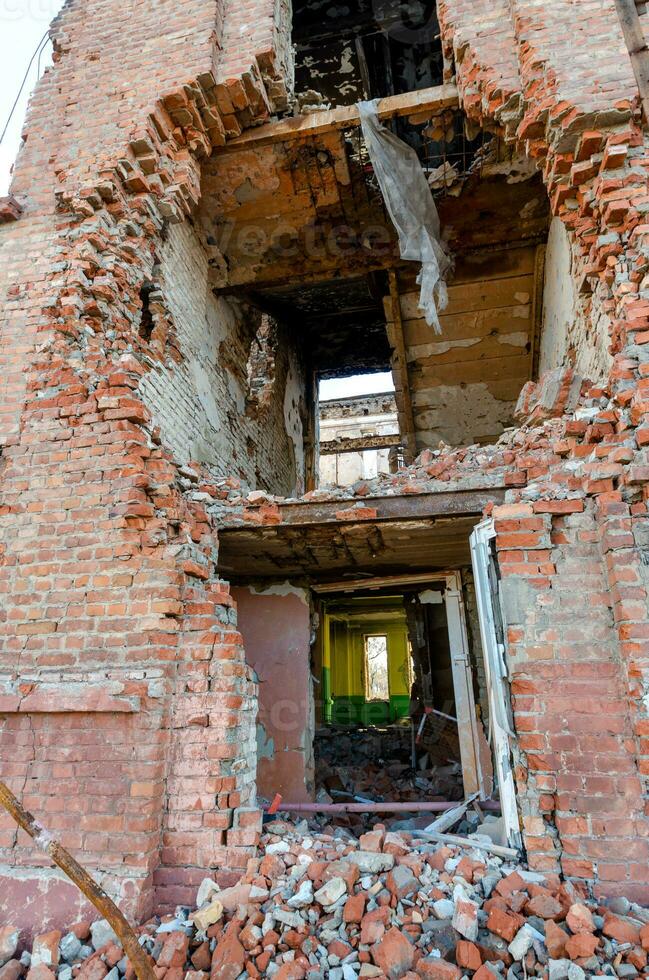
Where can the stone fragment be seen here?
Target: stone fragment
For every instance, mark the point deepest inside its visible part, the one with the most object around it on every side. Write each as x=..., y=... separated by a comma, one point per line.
x=70, y=947
x=229, y=956
x=465, y=919
x=95, y=969
x=303, y=896
x=504, y=924
x=12, y=970
x=42, y=972
x=330, y=892
x=101, y=933
x=401, y=882
x=443, y=908
x=434, y=968
x=467, y=955
x=174, y=950
x=9, y=936
x=521, y=943
x=621, y=929
x=45, y=949
x=203, y=918
x=580, y=919
x=207, y=891
x=369, y=862
x=354, y=908
x=544, y=906
x=581, y=946
x=555, y=940
x=393, y=954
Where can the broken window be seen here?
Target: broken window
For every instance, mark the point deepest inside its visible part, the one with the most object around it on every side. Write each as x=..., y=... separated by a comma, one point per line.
x=377, y=684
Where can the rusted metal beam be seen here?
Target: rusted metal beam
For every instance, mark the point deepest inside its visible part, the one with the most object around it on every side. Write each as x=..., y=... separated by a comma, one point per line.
x=636, y=44
x=140, y=960
x=430, y=101
x=358, y=444
x=415, y=806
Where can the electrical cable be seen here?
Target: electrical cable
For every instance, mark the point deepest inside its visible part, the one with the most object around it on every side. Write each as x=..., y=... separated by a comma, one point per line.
x=37, y=52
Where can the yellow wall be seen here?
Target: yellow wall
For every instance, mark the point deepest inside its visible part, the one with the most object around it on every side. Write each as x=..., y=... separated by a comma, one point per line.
x=346, y=660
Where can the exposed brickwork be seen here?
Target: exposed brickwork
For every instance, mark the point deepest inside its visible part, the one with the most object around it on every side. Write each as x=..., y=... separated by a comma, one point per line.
x=575, y=116
x=108, y=534
x=106, y=553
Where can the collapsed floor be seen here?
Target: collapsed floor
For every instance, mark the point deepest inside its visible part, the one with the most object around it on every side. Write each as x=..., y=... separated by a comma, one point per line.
x=316, y=902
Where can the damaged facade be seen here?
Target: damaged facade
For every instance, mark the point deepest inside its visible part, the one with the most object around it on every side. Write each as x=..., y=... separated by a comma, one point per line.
x=194, y=239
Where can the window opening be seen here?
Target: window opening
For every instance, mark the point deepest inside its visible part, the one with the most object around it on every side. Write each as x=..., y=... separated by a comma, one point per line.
x=377, y=684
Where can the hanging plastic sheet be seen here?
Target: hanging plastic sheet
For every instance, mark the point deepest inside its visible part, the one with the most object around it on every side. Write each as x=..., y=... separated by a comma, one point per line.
x=411, y=207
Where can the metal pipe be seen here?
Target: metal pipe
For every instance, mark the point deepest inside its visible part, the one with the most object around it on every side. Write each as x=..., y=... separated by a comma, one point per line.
x=415, y=806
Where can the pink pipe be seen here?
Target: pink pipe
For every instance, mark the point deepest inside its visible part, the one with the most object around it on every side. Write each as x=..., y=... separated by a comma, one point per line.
x=376, y=807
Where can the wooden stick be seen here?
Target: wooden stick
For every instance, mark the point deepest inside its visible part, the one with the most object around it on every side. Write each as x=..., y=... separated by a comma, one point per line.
x=453, y=839
x=637, y=48
x=140, y=960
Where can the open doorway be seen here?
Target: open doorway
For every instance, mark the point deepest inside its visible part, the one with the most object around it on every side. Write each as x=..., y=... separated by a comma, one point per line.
x=397, y=718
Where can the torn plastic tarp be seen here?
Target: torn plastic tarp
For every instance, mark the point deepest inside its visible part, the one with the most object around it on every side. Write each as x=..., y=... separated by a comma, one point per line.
x=411, y=207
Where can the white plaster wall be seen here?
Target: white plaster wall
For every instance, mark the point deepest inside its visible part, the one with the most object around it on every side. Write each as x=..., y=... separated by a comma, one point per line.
x=567, y=336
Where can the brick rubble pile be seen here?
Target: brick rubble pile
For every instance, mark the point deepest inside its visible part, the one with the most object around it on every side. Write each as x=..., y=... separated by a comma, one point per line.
x=322, y=904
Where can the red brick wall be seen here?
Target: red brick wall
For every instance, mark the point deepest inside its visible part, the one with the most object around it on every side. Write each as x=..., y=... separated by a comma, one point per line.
x=107, y=562
x=579, y=655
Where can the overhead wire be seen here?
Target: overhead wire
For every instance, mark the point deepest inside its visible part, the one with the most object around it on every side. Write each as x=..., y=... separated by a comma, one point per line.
x=37, y=53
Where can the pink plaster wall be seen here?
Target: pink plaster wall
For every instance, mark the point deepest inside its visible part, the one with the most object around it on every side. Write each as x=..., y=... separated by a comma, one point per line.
x=276, y=634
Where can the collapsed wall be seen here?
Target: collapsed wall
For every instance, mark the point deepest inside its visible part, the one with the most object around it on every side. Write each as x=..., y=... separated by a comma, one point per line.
x=127, y=704
x=572, y=545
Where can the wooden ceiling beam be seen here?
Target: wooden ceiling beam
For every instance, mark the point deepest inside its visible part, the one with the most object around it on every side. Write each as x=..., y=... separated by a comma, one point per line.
x=428, y=101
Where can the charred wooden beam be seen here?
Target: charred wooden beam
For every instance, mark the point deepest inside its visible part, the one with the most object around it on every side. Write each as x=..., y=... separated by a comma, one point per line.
x=431, y=101
x=358, y=444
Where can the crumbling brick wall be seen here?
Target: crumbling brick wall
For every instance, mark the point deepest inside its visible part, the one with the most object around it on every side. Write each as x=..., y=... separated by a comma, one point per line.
x=107, y=556
x=583, y=495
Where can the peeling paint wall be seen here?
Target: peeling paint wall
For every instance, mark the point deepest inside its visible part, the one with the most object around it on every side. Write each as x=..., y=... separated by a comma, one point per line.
x=565, y=337
x=199, y=392
x=276, y=627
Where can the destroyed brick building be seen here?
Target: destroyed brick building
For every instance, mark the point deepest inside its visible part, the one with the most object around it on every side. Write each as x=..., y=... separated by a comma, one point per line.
x=195, y=238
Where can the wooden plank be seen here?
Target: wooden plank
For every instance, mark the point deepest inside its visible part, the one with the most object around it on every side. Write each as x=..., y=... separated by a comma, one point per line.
x=483, y=294
x=429, y=100
x=637, y=47
x=462, y=326
x=483, y=264
x=473, y=372
x=421, y=358
x=394, y=328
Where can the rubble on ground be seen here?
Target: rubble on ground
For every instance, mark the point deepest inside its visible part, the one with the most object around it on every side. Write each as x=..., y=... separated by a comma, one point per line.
x=320, y=903
x=373, y=764
x=521, y=457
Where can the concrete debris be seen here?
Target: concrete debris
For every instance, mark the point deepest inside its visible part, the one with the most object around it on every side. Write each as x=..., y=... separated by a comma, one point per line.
x=321, y=907
x=375, y=765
